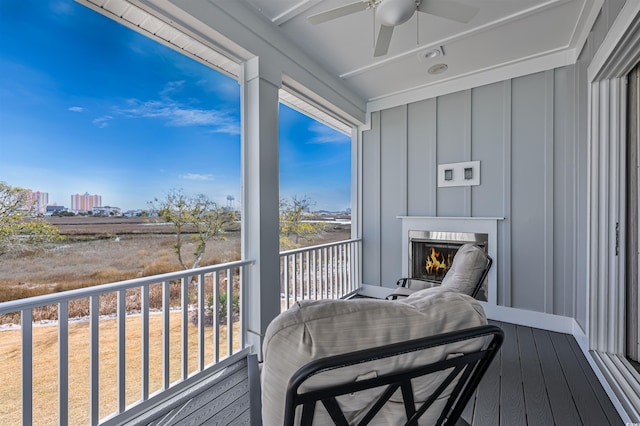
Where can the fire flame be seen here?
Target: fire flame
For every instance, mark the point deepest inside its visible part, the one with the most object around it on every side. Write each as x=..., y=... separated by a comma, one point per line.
x=437, y=262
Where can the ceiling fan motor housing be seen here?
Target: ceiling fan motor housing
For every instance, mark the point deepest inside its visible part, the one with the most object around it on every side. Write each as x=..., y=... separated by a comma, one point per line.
x=395, y=12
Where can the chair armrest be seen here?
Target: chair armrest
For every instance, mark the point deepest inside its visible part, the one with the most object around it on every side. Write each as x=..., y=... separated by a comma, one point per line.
x=416, y=283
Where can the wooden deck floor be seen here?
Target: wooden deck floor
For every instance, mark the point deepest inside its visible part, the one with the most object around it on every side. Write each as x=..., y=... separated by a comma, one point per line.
x=539, y=378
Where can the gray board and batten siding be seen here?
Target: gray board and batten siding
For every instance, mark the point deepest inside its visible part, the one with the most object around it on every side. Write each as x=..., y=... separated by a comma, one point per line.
x=509, y=128
x=530, y=134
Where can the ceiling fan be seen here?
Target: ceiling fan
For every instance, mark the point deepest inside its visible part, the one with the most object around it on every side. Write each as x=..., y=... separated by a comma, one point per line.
x=391, y=13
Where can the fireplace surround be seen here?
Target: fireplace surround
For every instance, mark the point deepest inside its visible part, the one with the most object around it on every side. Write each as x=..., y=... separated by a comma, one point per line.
x=456, y=225
x=431, y=252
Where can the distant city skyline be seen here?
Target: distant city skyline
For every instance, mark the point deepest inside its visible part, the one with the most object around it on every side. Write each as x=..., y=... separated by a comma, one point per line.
x=89, y=105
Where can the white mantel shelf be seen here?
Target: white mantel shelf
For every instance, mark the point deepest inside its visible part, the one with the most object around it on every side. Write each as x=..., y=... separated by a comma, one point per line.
x=485, y=225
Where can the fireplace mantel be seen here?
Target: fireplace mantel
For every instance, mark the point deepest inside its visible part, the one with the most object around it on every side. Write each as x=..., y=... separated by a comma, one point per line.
x=485, y=225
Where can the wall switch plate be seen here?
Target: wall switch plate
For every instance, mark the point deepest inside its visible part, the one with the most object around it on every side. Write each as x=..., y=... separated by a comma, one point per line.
x=459, y=174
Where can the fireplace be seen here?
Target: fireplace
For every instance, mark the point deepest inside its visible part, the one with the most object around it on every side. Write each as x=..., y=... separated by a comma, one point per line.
x=482, y=231
x=431, y=252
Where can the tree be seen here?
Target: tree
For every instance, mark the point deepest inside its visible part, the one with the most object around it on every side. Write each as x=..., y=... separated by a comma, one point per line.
x=20, y=227
x=196, y=216
x=294, y=222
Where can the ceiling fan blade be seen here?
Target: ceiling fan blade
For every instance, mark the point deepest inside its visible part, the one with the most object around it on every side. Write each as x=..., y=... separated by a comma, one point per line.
x=449, y=9
x=338, y=12
x=384, y=39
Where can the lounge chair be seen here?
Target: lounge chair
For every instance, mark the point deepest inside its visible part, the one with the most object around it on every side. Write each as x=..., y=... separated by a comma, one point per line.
x=411, y=361
x=467, y=274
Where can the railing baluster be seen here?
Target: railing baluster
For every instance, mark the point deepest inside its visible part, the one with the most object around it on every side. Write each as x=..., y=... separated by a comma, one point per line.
x=331, y=274
x=304, y=274
x=201, y=326
x=342, y=270
x=144, y=345
x=229, y=313
x=122, y=339
x=94, y=325
x=216, y=318
x=285, y=271
x=339, y=269
x=299, y=276
x=314, y=274
x=185, y=326
x=295, y=279
x=27, y=366
x=166, y=334
x=243, y=334
x=326, y=273
x=63, y=363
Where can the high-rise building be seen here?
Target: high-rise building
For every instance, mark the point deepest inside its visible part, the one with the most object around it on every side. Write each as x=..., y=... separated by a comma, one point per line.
x=38, y=200
x=85, y=202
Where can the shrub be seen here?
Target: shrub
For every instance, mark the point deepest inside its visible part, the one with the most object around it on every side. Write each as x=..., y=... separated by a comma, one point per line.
x=222, y=306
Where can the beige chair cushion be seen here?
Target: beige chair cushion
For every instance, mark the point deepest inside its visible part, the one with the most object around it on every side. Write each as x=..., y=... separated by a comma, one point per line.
x=467, y=268
x=315, y=329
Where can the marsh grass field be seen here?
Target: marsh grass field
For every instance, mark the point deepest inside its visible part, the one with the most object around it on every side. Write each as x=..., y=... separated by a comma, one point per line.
x=98, y=251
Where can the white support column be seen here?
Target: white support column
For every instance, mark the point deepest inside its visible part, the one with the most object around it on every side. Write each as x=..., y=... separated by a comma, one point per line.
x=260, y=82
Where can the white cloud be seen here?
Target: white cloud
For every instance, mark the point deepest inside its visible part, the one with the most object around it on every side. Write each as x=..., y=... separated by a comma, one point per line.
x=325, y=134
x=76, y=109
x=172, y=86
x=179, y=115
x=196, y=176
x=102, y=122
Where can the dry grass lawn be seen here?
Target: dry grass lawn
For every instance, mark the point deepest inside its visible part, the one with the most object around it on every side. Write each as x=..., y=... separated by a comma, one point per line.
x=45, y=364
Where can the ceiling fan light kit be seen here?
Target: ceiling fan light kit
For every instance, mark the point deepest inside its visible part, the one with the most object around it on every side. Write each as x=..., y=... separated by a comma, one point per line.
x=395, y=12
x=426, y=55
x=438, y=69
x=391, y=13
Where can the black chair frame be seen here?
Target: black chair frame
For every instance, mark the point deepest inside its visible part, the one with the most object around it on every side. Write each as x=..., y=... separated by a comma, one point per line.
x=469, y=368
x=402, y=282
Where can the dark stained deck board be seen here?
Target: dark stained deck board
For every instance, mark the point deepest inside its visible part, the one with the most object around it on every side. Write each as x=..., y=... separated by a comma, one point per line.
x=535, y=395
x=512, y=408
x=603, y=399
x=587, y=404
x=213, y=399
x=231, y=412
x=208, y=401
x=219, y=407
x=553, y=378
x=562, y=406
x=486, y=408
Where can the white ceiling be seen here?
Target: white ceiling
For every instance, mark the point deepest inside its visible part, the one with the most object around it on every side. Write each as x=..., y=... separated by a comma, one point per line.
x=504, y=33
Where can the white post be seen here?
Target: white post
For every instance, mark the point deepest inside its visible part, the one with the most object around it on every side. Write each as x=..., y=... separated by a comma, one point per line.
x=260, y=83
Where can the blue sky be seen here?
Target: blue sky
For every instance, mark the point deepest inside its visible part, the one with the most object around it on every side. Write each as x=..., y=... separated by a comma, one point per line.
x=87, y=105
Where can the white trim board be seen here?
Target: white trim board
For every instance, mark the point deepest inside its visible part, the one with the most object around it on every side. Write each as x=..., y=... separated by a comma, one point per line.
x=549, y=322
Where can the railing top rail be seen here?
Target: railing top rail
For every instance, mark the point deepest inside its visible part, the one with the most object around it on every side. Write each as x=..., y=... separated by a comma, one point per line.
x=303, y=249
x=50, y=299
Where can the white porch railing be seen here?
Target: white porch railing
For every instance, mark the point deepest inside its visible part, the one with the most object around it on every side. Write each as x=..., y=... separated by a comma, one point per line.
x=180, y=295
x=328, y=271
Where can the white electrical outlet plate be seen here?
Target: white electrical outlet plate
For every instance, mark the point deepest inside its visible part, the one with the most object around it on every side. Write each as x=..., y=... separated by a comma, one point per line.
x=459, y=174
